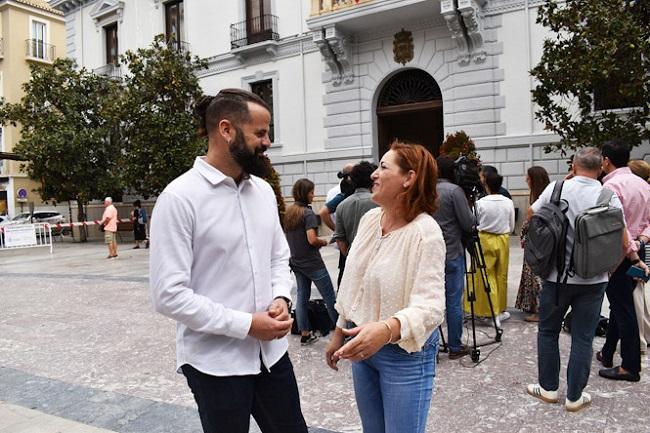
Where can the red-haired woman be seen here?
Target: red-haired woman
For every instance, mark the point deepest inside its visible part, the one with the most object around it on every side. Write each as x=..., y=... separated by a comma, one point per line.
x=392, y=296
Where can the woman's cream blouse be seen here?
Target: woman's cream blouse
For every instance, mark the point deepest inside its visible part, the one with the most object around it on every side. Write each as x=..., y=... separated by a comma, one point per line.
x=401, y=275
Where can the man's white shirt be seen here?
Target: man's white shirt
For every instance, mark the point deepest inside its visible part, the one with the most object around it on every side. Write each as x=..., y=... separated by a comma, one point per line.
x=218, y=254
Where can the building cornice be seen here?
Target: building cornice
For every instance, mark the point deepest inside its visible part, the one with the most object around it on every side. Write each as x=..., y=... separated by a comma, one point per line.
x=107, y=8
x=287, y=47
x=66, y=6
x=360, y=10
x=496, y=7
x=412, y=26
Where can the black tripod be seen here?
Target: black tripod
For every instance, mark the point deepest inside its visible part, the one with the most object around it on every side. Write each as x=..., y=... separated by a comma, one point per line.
x=477, y=269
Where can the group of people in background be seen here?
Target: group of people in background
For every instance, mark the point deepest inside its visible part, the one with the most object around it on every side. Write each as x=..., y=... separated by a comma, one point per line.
x=564, y=290
x=109, y=225
x=491, y=218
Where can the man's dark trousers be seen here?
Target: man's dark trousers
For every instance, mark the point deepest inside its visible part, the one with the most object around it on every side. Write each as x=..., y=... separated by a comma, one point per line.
x=226, y=403
x=585, y=302
x=622, y=320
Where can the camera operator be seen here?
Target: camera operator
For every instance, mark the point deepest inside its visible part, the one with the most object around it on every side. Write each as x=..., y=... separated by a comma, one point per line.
x=455, y=219
x=335, y=196
x=489, y=170
x=328, y=212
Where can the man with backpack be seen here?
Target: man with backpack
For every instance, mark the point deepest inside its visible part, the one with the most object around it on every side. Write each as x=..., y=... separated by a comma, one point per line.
x=634, y=194
x=578, y=289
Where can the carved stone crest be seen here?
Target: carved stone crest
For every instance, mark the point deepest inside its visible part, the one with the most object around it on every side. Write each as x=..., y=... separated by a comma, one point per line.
x=403, y=47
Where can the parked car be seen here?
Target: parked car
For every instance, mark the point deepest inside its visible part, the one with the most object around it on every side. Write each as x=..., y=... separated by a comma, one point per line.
x=39, y=217
x=21, y=218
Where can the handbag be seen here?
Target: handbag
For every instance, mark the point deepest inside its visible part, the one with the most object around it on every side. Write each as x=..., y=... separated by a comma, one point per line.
x=102, y=227
x=319, y=320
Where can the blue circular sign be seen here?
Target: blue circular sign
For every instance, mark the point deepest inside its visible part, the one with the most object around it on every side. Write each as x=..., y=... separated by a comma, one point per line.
x=22, y=193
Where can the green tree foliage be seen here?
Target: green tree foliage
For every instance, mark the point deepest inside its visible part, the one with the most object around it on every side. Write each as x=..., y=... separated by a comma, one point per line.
x=274, y=180
x=457, y=144
x=157, y=124
x=601, y=48
x=66, y=133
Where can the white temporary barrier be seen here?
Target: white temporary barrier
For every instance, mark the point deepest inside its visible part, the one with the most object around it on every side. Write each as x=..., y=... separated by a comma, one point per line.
x=26, y=236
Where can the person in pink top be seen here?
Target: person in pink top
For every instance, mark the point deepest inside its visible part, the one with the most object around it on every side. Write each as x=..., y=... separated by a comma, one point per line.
x=109, y=221
x=634, y=195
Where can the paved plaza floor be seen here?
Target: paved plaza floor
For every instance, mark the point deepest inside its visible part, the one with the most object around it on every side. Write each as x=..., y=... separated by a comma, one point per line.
x=82, y=351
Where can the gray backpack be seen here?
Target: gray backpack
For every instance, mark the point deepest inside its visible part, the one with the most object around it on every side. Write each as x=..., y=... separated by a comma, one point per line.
x=598, y=238
x=546, y=239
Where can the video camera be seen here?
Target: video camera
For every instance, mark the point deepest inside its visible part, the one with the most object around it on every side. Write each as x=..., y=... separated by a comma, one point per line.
x=466, y=175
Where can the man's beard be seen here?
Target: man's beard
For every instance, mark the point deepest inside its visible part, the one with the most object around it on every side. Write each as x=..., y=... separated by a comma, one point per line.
x=251, y=161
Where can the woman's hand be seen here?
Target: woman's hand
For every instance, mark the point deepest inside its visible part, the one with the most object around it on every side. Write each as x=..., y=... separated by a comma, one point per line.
x=367, y=341
x=335, y=344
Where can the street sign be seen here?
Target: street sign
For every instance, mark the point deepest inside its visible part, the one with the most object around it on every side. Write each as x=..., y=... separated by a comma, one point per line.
x=22, y=193
x=20, y=235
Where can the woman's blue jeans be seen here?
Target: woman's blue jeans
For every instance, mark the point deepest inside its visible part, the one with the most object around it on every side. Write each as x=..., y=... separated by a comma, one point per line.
x=393, y=388
x=321, y=279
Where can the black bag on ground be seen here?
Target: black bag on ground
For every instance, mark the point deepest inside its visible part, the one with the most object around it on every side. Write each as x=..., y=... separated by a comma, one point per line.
x=319, y=320
x=601, y=328
x=546, y=239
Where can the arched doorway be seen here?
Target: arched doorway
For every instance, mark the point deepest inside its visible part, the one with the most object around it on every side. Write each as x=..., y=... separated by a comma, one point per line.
x=409, y=108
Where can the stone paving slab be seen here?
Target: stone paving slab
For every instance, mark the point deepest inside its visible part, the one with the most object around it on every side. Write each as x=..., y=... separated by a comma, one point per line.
x=77, y=329
x=18, y=419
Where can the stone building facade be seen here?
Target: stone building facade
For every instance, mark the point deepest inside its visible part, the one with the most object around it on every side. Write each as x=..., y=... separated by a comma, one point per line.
x=345, y=77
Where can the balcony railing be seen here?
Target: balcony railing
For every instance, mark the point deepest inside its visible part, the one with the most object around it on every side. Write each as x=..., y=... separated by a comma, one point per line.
x=110, y=71
x=37, y=49
x=319, y=7
x=180, y=46
x=254, y=30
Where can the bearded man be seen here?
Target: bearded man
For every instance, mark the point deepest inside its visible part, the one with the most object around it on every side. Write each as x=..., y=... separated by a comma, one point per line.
x=220, y=267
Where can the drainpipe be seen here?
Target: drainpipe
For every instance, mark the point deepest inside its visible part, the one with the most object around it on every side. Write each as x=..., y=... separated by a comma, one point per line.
x=304, y=89
x=80, y=57
x=304, y=95
x=530, y=81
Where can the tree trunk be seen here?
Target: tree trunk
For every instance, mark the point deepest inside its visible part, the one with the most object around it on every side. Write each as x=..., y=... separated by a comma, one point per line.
x=70, y=218
x=81, y=217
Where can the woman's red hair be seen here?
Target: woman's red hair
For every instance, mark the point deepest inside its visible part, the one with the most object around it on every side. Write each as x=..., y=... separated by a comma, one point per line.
x=421, y=195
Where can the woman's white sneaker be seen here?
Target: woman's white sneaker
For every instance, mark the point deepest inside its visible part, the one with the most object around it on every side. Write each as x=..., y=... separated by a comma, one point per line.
x=536, y=390
x=504, y=316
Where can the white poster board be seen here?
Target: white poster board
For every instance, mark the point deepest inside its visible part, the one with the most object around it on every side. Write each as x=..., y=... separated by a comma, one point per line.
x=20, y=235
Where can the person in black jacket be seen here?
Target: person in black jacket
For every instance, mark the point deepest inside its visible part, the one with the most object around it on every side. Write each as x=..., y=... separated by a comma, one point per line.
x=455, y=219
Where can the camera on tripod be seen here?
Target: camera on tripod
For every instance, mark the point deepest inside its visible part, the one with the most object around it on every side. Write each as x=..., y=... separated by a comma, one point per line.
x=466, y=175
